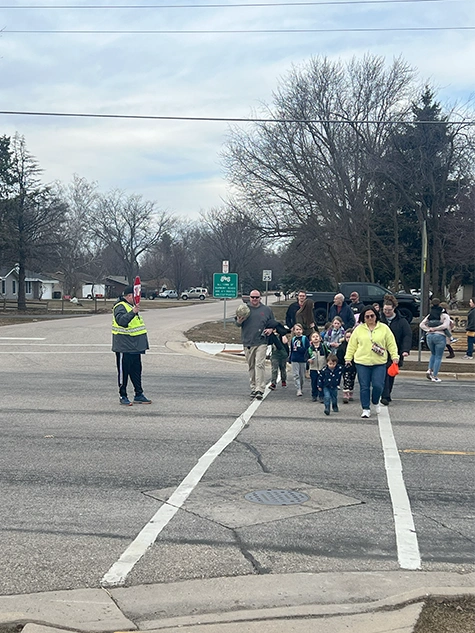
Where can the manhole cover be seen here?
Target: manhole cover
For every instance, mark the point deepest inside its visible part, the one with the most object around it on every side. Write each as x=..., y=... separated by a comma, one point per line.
x=277, y=497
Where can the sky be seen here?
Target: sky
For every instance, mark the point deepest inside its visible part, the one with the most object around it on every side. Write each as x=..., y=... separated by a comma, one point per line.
x=177, y=163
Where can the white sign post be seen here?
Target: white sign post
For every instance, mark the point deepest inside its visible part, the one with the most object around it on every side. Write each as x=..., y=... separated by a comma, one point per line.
x=225, y=269
x=267, y=276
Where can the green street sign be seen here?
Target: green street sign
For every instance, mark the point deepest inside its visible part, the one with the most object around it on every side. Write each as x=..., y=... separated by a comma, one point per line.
x=225, y=285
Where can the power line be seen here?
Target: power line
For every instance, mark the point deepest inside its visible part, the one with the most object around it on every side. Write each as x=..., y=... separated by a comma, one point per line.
x=221, y=6
x=147, y=117
x=233, y=31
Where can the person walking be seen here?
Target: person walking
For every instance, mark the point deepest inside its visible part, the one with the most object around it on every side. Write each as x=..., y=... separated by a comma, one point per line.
x=254, y=332
x=355, y=304
x=401, y=329
x=470, y=329
x=342, y=310
x=370, y=346
x=329, y=381
x=279, y=358
x=436, y=340
x=305, y=317
x=129, y=342
x=299, y=347
x=349, y=371
x=290, y=315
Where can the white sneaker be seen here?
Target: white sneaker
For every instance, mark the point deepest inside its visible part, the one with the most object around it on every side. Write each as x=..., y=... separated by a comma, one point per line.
x=366, y=413
x=378, y=408
x=467, y=357
x=435, y=379
x=429, y=374
x=299, y=392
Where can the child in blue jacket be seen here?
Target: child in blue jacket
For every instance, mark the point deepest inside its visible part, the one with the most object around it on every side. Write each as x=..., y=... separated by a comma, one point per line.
x=299, y=346
x=329, y=381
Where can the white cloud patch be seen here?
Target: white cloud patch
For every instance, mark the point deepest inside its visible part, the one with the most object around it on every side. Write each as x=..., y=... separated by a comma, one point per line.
x=173, y=162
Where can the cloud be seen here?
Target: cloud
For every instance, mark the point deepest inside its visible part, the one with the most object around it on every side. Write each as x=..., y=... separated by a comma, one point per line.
x=177, y=163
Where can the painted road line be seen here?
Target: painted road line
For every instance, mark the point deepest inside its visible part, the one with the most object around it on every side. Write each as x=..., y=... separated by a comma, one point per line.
x=117, y=574
x=427, y=451
x=406, y=538
x=21, y=338
x=71, y=352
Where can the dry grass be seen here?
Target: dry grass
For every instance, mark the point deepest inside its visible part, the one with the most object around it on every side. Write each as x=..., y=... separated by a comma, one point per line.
x=447, y=615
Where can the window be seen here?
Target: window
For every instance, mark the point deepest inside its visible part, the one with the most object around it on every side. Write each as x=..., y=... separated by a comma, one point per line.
x=376, y=291
x=13, y=286
x=28, y=289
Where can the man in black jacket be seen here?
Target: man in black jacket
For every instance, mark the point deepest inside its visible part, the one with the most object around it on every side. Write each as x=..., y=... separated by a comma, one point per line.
x=402, y=333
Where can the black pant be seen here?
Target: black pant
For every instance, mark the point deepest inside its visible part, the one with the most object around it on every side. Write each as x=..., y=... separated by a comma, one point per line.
x=129, y=365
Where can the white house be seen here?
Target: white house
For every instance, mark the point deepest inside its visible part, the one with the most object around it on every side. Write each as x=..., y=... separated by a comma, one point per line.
x=37, y=286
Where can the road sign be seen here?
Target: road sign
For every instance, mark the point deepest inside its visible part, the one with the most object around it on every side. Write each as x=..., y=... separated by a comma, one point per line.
x=225, y=268
x=267, y=275
x=225, y=285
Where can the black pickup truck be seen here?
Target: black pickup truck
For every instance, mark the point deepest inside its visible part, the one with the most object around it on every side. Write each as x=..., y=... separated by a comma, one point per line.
x=369, y=293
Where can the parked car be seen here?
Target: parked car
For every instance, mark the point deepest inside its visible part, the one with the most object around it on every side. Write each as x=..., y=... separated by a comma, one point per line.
x=195, y=293
x=369, y=293
x=168, y=294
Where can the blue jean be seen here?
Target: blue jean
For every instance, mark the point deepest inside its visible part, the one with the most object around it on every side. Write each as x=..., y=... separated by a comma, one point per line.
x=330, y=395
x=370, y=375
x=470, y=342
x=436, y=344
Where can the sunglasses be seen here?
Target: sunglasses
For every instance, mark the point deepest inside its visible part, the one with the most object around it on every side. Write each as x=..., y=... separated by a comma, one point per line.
x=369, y=316
x=255, y=296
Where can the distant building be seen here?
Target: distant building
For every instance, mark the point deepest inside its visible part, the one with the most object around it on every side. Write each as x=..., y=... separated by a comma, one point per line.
x=37, y=285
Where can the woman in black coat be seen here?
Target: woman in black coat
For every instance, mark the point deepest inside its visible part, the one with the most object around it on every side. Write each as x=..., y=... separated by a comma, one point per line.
x=402, y=333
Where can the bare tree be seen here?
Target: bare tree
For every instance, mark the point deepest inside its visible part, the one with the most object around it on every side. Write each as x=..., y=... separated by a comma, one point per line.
x=315, y=166
x=129, y=225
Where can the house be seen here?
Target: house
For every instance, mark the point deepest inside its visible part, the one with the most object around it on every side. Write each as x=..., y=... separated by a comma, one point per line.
x=37, y=285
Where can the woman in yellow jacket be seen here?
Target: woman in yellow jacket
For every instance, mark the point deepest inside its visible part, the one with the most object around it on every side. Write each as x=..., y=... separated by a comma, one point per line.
x=369, y=347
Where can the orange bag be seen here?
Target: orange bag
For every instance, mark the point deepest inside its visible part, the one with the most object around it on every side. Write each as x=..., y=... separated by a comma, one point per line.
x=393, y=370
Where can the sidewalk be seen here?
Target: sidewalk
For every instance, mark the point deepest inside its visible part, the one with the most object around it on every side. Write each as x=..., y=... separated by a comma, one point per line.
x=355, y=602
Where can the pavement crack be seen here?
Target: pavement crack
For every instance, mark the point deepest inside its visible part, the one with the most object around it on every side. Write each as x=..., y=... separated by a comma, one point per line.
x=447, y=527
x=256, y=454
x=257, y=567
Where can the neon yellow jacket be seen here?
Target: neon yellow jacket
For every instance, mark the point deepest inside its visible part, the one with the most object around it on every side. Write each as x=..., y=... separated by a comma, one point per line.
x=360, y=345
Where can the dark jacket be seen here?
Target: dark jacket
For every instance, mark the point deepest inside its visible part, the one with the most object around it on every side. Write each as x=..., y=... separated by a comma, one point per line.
x=346, y=314
x=357, y=307
x=401, y=329
x=471, y=321
x=299, y=346
x=290, y=314
x=252, y=329
x=275, y=339
x=328, y=378
x=122, y=342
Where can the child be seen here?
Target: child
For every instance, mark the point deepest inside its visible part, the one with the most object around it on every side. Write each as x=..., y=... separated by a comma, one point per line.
x=299, y=346
x=278, y=359
x=349, y=372
x=329, y=380
x=334, y=335
x=434, y=319
x=317, y=361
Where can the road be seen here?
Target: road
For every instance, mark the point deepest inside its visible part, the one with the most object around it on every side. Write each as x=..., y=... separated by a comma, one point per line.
x=81, y=478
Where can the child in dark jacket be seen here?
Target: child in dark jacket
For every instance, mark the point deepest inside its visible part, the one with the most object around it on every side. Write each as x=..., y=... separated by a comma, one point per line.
x=330, y=378
x=349, y=372
x=279, y=357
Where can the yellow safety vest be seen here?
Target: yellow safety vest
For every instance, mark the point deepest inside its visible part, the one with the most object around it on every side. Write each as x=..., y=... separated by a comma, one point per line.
x=136, y=326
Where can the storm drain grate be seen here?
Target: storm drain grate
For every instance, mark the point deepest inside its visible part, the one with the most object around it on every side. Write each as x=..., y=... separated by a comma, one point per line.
x=277, y=497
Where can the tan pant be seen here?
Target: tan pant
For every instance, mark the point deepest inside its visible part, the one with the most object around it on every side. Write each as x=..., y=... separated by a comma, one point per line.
x=256, y=361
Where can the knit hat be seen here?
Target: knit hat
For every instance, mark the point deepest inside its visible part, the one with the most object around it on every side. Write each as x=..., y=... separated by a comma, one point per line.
x=128, y=290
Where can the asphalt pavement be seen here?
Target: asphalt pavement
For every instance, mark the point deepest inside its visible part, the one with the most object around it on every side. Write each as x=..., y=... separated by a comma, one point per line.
x=82, y=477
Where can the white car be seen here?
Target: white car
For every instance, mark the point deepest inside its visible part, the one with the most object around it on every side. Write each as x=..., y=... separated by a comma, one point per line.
x=195, y=293
x=168, y=294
